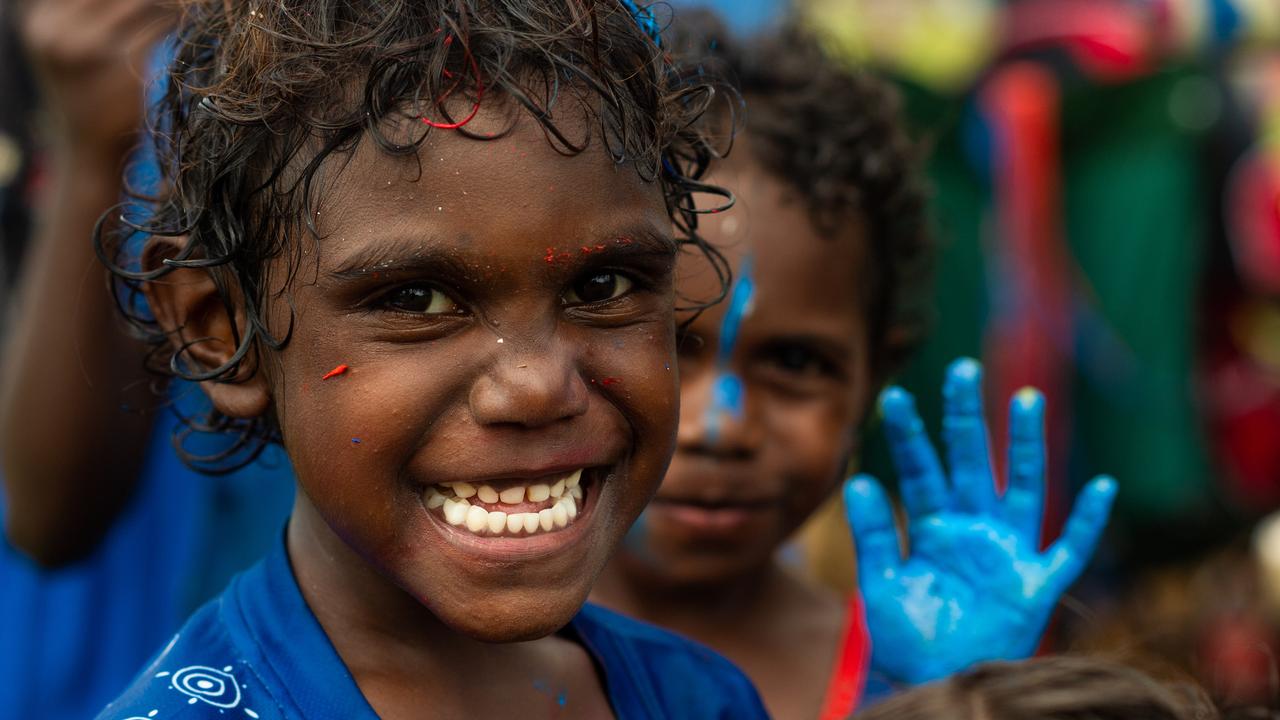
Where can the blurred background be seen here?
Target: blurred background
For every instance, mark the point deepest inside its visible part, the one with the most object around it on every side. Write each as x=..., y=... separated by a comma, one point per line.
x=1106, y=190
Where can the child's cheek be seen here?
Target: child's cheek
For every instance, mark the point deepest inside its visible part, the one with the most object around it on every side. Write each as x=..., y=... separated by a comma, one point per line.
x=635, y=369
x=814, y=440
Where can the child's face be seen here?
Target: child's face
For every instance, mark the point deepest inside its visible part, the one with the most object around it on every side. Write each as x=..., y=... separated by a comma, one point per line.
x=506, y=318
x=728, y=501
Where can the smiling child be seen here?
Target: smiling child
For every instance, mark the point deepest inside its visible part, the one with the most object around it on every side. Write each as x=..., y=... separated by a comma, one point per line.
x=832, y=259
x=428, y=247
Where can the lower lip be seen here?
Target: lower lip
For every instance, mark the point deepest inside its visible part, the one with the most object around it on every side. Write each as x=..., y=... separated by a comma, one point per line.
x=531, y=547
x=710, y=521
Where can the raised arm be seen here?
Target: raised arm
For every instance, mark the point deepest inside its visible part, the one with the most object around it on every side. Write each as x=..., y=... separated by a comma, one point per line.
x=73, y=394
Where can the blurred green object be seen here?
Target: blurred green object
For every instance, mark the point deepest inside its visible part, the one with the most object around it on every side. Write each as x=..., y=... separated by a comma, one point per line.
x=1136, y=214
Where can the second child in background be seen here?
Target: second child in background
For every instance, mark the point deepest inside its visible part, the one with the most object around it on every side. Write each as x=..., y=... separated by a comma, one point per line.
x=832, y=259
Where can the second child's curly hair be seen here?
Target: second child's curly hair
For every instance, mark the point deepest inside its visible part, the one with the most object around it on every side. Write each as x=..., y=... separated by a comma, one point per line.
x=835, y=136
x=258, y=95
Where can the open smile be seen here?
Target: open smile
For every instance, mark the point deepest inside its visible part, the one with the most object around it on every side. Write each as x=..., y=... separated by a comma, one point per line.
x=518, y=519
x=514, y=510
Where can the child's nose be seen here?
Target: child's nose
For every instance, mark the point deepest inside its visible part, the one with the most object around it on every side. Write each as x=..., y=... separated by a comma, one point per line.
x=529, y=389
x=710, y=430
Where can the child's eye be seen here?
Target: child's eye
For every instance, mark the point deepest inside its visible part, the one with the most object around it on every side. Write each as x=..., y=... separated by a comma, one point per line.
x=598, y=287
x=420, y=300
x=799, y=360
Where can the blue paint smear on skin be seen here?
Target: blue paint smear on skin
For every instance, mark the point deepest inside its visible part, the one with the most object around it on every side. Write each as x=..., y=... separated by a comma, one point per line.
x=727, y=394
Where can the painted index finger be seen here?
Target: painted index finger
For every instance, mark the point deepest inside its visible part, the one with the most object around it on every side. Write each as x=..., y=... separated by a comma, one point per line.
x=923, y=484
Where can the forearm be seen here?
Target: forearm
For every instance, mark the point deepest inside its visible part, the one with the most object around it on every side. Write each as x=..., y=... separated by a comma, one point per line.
x=73, y=393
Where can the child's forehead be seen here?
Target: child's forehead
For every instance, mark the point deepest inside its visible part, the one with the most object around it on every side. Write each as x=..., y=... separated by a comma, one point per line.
x=483, y=195
x=485, y=182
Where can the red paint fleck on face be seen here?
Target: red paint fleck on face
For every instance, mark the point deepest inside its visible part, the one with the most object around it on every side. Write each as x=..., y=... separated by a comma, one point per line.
x=610, y=381
x=552, y=256
x=625, y=241
x=335, y=372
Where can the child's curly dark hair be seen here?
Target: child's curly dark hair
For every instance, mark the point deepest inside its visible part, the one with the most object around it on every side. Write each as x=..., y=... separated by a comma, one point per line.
x=257, y=96
x=836, y=137
x=1062, y=687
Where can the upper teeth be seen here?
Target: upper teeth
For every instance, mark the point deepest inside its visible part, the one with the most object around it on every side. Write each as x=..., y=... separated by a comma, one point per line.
x=455, y=501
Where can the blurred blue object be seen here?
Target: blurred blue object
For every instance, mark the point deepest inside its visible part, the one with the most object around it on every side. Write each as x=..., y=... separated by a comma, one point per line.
x=975, y=585
x=744, y=17
x=71, y=639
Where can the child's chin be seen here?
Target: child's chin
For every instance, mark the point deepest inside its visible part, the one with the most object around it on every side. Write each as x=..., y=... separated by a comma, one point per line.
x=518, y=623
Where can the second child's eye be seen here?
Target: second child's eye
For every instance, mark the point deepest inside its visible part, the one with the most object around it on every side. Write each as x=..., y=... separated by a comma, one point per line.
x=420, y=300
x=598, y=287
x=799, y=360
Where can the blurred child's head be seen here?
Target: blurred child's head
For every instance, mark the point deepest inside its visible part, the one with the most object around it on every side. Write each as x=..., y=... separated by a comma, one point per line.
x=1052, y=688
x=429, y=246
x=831, y=213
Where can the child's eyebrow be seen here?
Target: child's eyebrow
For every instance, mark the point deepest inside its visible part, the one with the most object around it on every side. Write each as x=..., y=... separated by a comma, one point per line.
x=408, y=254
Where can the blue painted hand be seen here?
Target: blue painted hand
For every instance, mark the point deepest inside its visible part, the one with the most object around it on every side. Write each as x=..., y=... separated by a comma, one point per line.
x=974, y=584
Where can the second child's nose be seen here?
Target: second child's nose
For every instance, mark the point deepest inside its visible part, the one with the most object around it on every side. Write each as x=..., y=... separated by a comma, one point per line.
x=706, y=429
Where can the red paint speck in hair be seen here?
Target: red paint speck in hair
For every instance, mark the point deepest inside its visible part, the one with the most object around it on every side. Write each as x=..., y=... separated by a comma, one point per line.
x=475, y=108
x=335, y=372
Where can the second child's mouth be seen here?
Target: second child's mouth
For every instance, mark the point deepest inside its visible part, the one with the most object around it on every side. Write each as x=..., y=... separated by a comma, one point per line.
x=513, y=510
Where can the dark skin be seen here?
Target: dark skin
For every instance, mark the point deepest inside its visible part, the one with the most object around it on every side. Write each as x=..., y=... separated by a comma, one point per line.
x=703, y=558
x=472, y=358
x=74, y=401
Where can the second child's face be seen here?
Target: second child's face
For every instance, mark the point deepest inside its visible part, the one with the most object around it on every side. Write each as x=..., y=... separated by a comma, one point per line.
x=509, y=401
x=732, y=495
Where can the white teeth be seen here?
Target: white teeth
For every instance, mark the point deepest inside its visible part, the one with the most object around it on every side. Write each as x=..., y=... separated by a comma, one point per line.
x=565, y=494
x=497, y=522
x=515, y=523
x=434, y=499
x=455, y=511
x=477, y=519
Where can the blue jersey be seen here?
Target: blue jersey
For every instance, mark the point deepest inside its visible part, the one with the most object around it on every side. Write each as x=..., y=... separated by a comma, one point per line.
x=72, y=638
x=257, y=652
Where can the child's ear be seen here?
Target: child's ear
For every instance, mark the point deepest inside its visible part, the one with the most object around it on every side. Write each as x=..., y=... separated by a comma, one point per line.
x=189, y=308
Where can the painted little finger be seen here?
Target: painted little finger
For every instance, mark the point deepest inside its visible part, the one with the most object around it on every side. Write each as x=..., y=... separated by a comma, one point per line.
x=1072, y=552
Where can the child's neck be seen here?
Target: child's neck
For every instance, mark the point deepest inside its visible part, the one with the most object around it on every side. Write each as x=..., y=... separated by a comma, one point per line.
x=704, y=609
x=404, y=659
x=782, y=631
